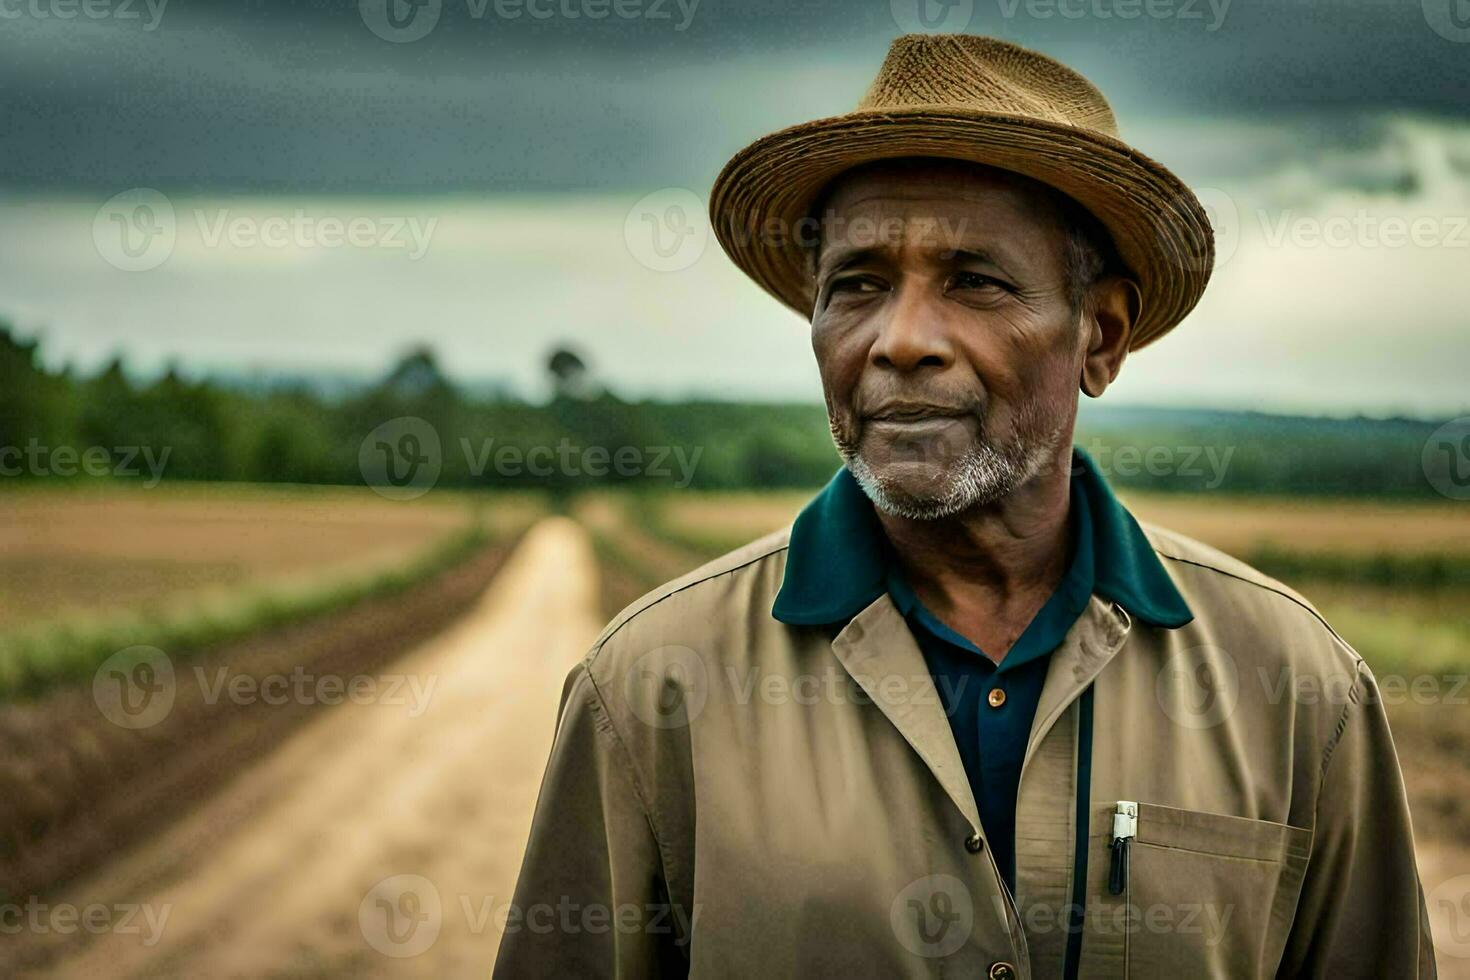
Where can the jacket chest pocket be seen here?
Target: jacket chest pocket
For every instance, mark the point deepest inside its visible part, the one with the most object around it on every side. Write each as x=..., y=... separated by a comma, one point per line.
x=1189, y=893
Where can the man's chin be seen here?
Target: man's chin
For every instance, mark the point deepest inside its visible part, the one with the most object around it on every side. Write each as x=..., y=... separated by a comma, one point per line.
x=914, y=490
x=913, y=481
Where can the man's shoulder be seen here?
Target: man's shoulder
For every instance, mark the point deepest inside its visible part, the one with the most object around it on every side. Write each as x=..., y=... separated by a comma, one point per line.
x=748, y=577
x=1232, y=598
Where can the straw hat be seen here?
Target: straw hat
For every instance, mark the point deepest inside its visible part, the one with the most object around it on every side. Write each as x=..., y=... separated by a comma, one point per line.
x=991, y=102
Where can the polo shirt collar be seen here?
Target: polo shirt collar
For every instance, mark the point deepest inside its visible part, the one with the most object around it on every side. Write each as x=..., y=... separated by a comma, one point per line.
x=836, y=566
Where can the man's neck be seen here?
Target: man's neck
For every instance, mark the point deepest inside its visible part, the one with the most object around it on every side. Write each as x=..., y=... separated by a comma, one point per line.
x=987, y=571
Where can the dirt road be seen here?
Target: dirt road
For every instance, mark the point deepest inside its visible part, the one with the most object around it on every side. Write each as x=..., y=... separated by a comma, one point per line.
x=380, y=840
x=384, y=838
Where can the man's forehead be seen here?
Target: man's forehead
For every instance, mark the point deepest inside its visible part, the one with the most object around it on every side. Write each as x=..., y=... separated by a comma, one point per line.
x=948, y=206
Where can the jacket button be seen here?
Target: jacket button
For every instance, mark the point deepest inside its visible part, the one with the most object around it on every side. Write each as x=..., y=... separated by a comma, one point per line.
x=1002, y=971
x=974, y=843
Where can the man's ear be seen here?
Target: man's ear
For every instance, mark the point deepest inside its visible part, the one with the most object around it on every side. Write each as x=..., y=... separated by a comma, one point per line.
x=1108, y=318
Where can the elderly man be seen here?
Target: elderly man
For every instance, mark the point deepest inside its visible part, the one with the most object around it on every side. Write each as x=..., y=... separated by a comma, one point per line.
x=967, y=717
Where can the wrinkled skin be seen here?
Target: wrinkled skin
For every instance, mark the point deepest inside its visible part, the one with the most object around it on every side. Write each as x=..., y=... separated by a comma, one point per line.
x=944, y=324
x=951, y=354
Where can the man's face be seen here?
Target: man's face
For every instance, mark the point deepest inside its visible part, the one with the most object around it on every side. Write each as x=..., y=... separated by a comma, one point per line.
x=945, y=333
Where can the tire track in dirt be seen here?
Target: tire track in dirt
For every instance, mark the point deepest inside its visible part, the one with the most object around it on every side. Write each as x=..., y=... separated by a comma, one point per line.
x=331, y=854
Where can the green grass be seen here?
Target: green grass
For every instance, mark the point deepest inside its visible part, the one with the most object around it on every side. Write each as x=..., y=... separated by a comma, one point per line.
x=37, y=659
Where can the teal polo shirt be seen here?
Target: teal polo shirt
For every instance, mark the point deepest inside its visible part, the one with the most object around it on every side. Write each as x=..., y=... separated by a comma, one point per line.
x=839, y=562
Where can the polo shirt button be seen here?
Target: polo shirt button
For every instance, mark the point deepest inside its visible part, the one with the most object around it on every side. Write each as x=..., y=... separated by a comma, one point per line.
x=1002, y=971
x=997, y=697
x=974, y=843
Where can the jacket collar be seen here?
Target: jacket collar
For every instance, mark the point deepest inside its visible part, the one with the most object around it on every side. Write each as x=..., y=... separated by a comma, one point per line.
x=835, y=564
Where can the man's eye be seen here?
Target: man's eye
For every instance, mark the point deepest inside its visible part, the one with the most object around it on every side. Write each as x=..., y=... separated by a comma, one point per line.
x=974, y=280
x=857, y=284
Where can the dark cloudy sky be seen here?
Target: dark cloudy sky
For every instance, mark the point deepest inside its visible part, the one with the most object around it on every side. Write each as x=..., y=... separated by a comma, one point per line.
x=525, y=145
x=274, y=94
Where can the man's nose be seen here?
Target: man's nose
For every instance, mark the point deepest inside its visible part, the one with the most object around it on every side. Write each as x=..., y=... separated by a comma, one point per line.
x=915, y=336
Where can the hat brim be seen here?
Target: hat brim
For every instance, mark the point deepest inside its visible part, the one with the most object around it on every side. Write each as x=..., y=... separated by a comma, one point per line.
x=1158, y=226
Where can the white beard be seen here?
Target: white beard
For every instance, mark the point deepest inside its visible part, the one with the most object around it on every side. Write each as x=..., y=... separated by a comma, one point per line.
x=984, y=474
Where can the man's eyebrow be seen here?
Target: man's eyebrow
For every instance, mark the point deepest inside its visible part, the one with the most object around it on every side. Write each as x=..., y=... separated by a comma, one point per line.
x=978, y=255
x=841, y=256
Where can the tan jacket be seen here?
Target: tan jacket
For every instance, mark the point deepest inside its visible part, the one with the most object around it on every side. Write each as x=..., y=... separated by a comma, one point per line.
x=732, y=796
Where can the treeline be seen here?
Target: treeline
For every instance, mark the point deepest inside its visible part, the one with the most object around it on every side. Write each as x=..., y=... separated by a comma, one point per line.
x=218, y=431
x=586, y=436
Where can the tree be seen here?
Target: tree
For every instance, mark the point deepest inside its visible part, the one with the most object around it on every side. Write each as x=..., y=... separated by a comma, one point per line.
x=569, y=375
